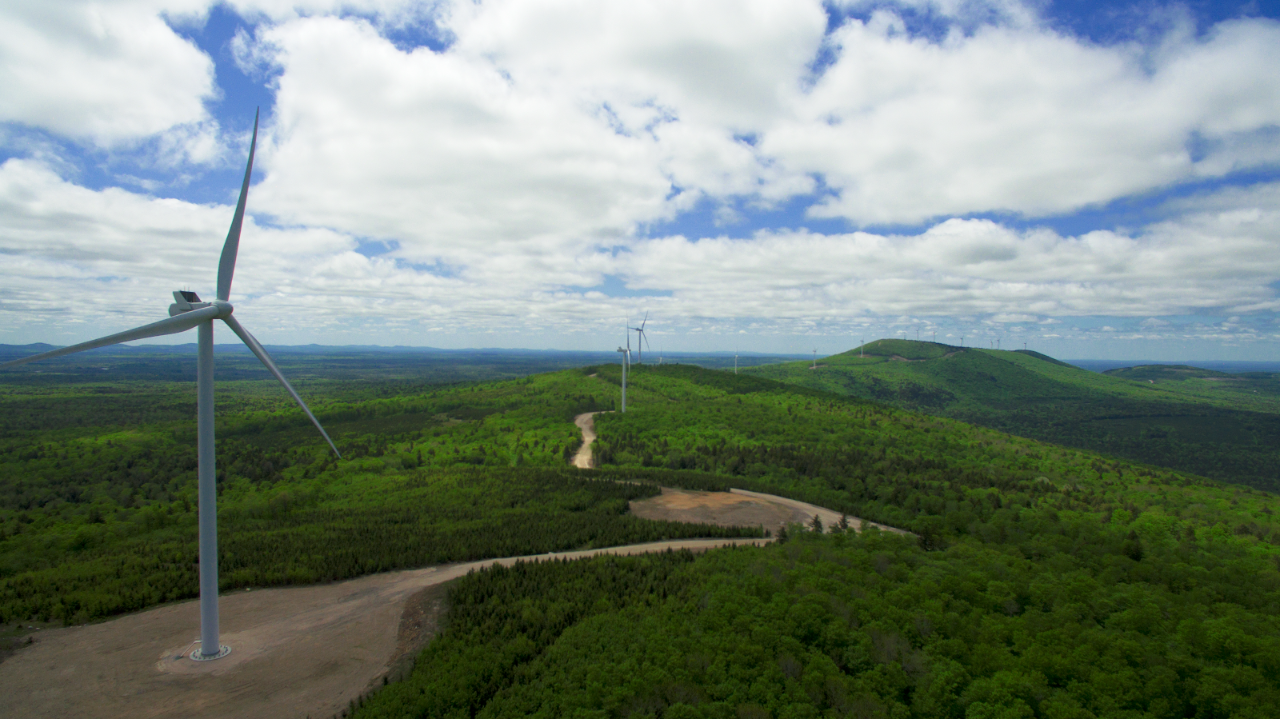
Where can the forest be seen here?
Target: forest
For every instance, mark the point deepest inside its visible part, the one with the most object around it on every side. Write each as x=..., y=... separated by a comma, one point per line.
x=97, y=498
x=1043, y=580
x=1214, y=424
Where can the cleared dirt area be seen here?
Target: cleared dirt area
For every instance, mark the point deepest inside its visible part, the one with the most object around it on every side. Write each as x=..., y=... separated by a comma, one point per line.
x=296, y=652
x=738, y=508
x=721, y=508
x=735, y=508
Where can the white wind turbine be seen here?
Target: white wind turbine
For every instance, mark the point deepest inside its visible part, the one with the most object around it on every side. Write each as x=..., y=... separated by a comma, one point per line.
x=186, y=312
x=626, y=360
x=641, y=338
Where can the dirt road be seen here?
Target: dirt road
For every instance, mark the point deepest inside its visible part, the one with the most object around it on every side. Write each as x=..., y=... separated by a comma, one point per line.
x=587, y=423
x=296, y=652
x=735, y=508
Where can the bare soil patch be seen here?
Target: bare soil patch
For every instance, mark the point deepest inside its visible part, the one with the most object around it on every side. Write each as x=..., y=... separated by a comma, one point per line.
x=723, y=509
x=295, y=652
x=738, y=508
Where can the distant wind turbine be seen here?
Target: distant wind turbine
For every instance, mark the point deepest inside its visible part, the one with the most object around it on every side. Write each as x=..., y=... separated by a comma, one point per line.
x=627, y=355
x=186, y=312
x=641, y=338
x=815, y=358
x=626, y=361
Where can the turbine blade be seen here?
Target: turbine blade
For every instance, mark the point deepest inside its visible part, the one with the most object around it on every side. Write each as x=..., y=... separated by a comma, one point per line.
x=227, y=265
x=252, y=343
x=172, y=325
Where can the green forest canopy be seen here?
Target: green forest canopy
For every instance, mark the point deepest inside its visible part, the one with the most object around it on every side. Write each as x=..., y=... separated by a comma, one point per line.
x=1045, y=581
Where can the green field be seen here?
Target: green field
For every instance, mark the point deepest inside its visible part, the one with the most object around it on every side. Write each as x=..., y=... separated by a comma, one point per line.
x=1221, y=426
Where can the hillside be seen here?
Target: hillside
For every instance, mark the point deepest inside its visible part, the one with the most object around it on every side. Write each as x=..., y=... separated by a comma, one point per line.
x=1225, y=427
x=1046, y=582
x=1038, y=575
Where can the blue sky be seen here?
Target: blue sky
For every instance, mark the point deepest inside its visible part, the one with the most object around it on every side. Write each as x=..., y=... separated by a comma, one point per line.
x=1096, y=180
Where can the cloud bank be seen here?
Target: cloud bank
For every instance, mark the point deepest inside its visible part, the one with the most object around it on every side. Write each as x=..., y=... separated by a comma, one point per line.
x=489, y=173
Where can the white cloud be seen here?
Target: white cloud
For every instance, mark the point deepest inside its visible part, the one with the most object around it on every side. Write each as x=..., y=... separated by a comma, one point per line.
x=1203, y=261
x=444, y=155
x=1024, y=120
x=108, y=72
x=513, y=168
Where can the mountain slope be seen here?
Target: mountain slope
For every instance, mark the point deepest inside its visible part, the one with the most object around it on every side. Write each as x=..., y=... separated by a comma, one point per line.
x=1197, y=427
x=1046, y=581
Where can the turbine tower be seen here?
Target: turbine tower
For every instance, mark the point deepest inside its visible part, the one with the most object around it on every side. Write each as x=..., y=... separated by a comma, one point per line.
x=627, y=354
x=815, y=358
x=641, y=338
x=186, y=312
x=626, y=360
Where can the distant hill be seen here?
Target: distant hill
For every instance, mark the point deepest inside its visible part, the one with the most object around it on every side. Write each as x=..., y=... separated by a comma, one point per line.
x=1151, y=372
x=1212, y=423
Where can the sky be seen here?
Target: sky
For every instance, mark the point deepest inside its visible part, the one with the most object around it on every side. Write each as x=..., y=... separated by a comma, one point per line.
x=1085, y=179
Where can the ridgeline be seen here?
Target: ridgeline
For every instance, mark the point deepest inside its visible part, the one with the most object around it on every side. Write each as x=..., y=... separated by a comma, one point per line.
x=1209, y=423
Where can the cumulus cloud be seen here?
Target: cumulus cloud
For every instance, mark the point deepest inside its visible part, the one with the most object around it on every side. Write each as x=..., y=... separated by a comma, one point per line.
x=110, y=257
x=107, y=72
x=1023, y=119
x=444, y=155
x=510, y=168
x=963, y=267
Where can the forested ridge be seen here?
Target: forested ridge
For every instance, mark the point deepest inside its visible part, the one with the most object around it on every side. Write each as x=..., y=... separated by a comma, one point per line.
x=97, y=505
x=1043, y=581
x=1209, y=423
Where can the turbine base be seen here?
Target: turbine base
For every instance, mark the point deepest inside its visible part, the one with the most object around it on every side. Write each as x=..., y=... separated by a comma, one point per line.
x=223, y=651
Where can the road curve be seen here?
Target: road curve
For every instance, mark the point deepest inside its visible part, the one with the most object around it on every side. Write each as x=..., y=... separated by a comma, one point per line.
x=587, y=423
x=801, y=512
x=295, y=652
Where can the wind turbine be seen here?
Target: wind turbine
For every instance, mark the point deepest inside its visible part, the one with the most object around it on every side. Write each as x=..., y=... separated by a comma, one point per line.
x=627, y=355
x=641, y=339
x=186, y=312
x=815, y=358
x=626, y=360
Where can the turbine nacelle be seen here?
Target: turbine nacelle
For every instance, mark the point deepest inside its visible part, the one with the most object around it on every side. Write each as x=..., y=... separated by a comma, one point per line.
x=185, y=301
